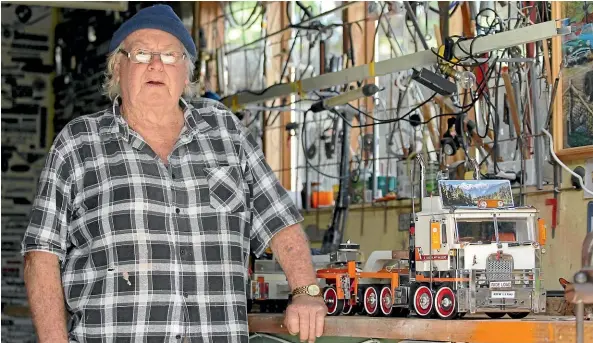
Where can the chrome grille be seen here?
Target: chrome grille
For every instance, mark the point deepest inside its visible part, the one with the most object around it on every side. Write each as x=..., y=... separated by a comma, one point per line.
x=499, y=267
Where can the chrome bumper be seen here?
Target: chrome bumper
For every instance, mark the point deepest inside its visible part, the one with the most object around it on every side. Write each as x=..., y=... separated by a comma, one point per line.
x=523, y=295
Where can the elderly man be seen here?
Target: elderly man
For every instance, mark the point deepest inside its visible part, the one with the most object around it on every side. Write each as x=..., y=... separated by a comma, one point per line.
x=147, y=211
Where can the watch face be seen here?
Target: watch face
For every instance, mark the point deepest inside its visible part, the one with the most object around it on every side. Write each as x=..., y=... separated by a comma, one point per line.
x=313, y=290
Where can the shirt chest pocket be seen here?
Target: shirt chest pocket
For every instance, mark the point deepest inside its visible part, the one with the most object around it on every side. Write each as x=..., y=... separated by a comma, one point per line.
x=226, y=189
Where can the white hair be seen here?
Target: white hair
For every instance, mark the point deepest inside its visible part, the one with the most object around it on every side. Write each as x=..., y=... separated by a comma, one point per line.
x=111, y=86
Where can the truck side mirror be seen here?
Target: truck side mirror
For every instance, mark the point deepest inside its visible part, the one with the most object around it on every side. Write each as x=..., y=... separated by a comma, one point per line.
x=541, y=230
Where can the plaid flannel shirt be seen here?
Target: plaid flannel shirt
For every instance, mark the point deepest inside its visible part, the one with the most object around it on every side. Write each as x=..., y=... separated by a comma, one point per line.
x=152, y=252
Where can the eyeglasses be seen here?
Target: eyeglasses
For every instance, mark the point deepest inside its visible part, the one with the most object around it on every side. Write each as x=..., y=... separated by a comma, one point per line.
x=145, y=56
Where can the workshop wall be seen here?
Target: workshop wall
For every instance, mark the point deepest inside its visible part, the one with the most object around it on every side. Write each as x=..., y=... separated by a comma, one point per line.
x=27, y=65
x=563, y=248
x=50, y=76
x=81, y=58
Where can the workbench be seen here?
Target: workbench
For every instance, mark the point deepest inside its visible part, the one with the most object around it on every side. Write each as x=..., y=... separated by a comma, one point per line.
x=533, y=329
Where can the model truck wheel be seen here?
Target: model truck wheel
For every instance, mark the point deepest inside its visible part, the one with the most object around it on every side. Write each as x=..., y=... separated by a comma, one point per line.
x=371, y=301
x=518, y=315
x=334, y=305
x=495, y=315
x=348, y=309
x=445, y=304
x=400, y=312
x=386, y=301
x=423, y=301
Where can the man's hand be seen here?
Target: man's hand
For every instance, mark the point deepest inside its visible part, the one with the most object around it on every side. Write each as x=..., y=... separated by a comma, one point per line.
x=306, y=316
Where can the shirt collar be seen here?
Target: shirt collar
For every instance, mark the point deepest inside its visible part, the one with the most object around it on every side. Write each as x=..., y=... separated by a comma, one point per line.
x=114, y=123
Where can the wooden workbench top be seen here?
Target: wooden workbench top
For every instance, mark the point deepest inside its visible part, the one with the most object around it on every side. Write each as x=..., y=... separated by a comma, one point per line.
x=536, y=329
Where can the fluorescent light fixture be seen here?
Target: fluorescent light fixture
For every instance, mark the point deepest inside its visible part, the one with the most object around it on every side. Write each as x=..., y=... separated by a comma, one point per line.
x=120, y=6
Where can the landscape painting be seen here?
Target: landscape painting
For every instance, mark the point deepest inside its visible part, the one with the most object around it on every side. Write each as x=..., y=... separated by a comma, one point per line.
x=467, y=193
x=577, y=80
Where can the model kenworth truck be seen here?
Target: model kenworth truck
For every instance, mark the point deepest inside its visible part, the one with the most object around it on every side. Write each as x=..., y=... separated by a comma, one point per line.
x=471, y=251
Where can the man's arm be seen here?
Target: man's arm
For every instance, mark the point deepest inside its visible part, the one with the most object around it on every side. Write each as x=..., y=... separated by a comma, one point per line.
x=46, y=296
x=305, y=315
x=275, y=221
x=290, y=246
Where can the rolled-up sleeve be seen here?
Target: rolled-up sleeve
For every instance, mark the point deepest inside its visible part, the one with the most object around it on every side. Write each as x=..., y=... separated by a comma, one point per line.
x=272, y=207
x=51, y=210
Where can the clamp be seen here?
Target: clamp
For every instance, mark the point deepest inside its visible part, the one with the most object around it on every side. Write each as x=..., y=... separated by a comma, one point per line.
x=580, y=292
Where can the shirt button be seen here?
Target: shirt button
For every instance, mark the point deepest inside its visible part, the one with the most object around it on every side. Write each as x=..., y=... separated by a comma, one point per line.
x=177, y=210
x=178, y=336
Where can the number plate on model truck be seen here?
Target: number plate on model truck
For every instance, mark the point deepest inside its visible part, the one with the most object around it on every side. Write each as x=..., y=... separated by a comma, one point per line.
x=500, y=284
x=503, y=295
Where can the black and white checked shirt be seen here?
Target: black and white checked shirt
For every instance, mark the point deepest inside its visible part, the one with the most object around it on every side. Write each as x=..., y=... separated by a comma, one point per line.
x=153, y=252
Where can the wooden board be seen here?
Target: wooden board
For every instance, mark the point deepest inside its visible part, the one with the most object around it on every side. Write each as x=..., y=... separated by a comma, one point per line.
x=536, y=329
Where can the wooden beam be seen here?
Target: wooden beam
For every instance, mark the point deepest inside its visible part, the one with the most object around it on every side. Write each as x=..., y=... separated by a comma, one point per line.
x=210, y=20
x=363, y=46
x=537, y=330
x=276, y=138
x=514, y=109
x=434, y=135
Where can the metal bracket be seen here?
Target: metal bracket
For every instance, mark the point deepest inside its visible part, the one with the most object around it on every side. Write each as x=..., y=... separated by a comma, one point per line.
x=480, y=45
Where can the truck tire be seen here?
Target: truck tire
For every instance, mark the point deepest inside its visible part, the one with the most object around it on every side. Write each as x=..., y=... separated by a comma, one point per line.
x=386, y=301
x=334, y=305
x=445, y=304
x=423, y=302
x=495, y=315
x=518, y=315
x=371, y=302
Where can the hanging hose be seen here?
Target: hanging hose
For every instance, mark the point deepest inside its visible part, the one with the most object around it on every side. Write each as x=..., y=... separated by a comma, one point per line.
x=582, y=183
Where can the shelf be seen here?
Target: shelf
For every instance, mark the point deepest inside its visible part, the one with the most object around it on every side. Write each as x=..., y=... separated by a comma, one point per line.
x=533, y=329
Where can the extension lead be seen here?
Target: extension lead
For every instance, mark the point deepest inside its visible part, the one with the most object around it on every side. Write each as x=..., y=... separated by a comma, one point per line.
x=563, y=165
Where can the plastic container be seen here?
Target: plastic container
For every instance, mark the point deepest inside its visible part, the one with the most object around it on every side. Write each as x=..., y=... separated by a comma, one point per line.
x=322, y=199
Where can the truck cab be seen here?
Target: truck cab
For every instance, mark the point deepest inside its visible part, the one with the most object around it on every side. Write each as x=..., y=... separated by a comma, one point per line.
x=473, y=240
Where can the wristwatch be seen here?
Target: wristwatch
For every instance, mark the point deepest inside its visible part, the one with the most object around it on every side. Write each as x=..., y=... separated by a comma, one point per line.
x=310, y=290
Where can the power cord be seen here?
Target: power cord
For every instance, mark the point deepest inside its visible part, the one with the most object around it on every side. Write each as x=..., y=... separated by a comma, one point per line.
x=582, y=183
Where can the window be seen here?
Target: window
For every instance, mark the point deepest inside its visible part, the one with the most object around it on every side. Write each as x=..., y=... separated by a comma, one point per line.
x=483, y=230
x=314, y=159
x=514, y=230
x=242, y=26
x=476, y=231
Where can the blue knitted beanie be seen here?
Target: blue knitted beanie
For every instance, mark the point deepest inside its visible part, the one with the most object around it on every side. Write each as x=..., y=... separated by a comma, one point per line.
x=159, y=17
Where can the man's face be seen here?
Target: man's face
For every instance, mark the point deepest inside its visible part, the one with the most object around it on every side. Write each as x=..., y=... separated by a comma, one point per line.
x=153, y=83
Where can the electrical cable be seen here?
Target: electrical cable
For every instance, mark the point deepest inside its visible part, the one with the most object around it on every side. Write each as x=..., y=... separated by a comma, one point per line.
x=377, y=30
x=490, y=108
x=581, y=182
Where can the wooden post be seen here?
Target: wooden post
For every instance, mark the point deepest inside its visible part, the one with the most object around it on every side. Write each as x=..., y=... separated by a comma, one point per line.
x=210, y=18
x=276, y=140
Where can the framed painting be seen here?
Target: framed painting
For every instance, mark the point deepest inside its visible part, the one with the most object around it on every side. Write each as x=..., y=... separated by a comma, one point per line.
x=573, y=105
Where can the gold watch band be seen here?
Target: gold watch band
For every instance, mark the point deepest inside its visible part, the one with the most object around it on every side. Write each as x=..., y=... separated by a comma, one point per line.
x=310, y=290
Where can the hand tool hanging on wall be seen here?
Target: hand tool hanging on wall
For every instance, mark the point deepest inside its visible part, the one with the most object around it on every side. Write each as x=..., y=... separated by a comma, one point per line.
x=8, y=33
x=29, y=46
x=28, y=109
x=23, y=13
x=33, y=65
